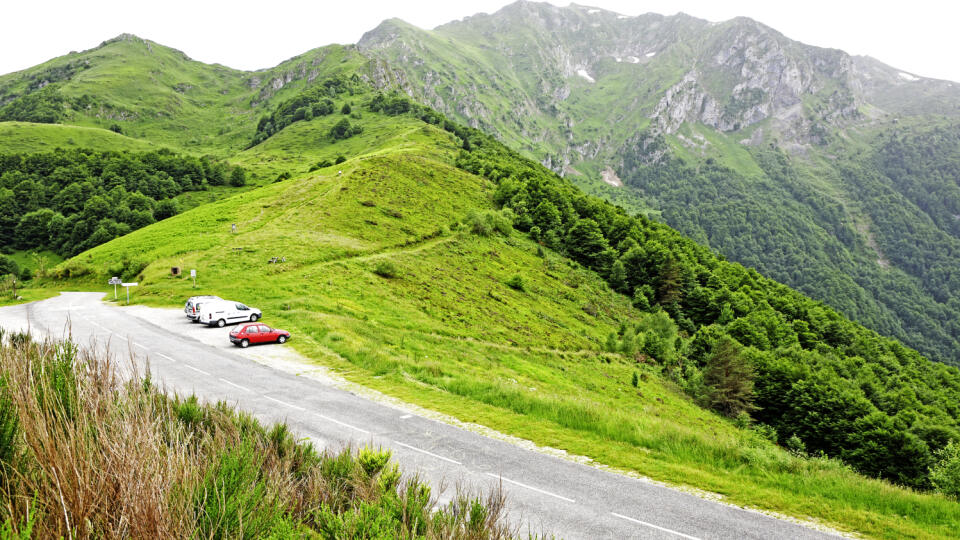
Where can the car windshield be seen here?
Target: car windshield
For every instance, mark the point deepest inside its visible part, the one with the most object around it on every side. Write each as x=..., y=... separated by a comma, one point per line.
x=242, y=307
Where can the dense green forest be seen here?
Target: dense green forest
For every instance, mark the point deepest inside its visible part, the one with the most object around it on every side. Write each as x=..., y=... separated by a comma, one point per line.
x=68, y=201
x=735, y=341
x=896, y=271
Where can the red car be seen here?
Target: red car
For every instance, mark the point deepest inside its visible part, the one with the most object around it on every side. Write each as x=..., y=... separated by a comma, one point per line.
x=245, y=334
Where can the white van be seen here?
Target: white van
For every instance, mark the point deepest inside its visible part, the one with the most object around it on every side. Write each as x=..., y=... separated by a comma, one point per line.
x=192, y=307
x=221, y=312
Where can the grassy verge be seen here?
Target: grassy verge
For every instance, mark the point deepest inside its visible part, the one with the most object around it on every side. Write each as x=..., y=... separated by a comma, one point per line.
x=85, y=454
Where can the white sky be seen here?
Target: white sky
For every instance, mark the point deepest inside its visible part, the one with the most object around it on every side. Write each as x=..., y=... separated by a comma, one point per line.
x=920, y=36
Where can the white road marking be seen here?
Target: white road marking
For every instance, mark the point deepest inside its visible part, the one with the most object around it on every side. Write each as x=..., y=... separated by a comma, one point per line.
x=538, y=490
x=235, y=384
x=197, y=369
x=652, y=526
x=404, y=417
x=285, y=403
x=167, y=357
x=141, y=346
x=415, y=449
x=343, y=424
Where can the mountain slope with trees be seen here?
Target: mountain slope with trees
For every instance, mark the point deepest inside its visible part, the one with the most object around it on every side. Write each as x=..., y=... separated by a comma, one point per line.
x=771, y=151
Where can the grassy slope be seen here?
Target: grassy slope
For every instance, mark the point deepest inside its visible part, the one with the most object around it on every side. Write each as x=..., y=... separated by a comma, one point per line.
x=447, y=333
x=24, y=137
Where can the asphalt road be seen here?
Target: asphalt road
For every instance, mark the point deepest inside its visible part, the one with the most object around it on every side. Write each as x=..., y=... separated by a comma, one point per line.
x=545, y=494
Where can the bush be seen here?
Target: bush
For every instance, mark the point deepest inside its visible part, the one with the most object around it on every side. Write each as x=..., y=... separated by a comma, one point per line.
x=386, y=269
x=344, y=130
x=321, y=164
x=238, y=177
x=339, y=160
x=945, y=475
x=490, y=222
x=516, y=283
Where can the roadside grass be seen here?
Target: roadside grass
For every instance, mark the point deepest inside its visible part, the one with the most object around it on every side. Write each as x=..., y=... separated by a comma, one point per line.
x=92, y=454
x=31, y=293
x=446, y=331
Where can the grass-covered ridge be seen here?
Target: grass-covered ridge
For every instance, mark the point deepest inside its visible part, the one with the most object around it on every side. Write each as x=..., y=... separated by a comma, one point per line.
x=405, y=272
x=85, y=453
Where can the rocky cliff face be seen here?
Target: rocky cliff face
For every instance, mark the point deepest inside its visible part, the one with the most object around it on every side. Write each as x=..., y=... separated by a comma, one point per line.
x=544, y=75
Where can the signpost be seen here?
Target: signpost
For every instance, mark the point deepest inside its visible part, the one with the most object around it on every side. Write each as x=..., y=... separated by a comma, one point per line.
x=193, y=274
x=114, y=281
x=128, y=285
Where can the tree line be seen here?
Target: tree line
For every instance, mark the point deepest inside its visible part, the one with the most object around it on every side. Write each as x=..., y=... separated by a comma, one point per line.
x=69, y=201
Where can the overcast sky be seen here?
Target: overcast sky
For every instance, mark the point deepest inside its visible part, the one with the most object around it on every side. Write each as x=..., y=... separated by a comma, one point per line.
x=919, y=36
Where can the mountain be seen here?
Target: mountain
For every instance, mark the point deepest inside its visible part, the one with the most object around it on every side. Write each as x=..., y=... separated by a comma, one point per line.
x=154, y=92
x=806, y=163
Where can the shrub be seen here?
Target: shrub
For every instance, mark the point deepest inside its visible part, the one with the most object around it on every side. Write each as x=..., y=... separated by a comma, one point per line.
x=795, y=446
x=945, y=475
x=321, y=164
x=386, y=269
x=490, y=222
x=340, y=159
x=516, y=283
x=238, y=177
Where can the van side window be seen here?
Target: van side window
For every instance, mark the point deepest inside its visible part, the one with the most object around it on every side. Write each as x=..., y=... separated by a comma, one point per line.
x=242, y=307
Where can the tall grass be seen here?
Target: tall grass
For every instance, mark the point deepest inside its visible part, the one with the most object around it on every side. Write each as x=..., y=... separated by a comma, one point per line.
x=85, y=453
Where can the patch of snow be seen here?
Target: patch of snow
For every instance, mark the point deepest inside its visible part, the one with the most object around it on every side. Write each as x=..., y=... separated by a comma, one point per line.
x=908, y=77
x=583, y=73
x=593, y=11
x=633, y=60
x=650, y=54
x=618, y=59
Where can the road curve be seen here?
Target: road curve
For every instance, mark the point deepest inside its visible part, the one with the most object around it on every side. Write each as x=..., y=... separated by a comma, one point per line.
x=545, y=494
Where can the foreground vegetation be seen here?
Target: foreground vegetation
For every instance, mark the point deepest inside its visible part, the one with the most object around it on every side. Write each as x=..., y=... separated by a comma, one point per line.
x=85, y=454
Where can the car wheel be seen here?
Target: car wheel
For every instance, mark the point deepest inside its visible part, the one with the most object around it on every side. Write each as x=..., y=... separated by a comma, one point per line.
x=221, y=323
x=281, y=339
x=253, y=318
x=244, y=343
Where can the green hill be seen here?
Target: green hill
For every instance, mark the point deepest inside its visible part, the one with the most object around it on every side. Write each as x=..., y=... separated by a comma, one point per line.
x=153, y=92
x=413, y=275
